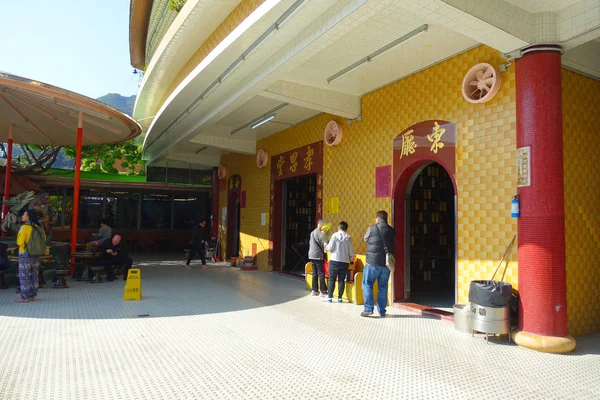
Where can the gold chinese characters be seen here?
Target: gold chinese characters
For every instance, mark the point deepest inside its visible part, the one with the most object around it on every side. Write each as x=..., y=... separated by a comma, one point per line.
x=308, y=162
x=408, y=144
x=280, y=164
x=436, y=137
x=294, y=161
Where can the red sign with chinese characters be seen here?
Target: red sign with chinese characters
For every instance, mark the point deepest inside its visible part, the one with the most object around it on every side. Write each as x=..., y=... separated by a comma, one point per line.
x=301, y=161
x=433, y=140
x=383, y=181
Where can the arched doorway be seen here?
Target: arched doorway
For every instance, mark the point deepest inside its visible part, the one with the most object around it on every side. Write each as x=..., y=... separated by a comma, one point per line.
x=430, y=237
x=233, y=216
x=424, y=202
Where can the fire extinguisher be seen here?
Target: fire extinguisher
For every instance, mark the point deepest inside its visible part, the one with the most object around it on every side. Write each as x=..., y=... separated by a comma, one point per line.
x=515, y=207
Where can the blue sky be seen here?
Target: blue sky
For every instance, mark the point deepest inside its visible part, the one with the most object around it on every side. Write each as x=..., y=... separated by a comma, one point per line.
x=79, y=45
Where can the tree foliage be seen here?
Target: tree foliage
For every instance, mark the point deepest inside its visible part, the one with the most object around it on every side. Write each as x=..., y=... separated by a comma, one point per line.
x=102, y=158
x=176, y=5
x=31, y=159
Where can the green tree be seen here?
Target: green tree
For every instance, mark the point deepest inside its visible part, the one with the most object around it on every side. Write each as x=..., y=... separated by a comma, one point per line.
x=176, y=5
x=32, y=159
x=102, y=158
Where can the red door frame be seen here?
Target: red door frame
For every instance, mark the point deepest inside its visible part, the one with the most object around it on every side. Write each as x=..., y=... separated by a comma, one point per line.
x=406, y=164
x=233, y=208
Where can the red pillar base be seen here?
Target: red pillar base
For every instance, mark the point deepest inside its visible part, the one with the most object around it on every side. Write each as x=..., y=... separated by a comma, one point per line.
x=544, y=344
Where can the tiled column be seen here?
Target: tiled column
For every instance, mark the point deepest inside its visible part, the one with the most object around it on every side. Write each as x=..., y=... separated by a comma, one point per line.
x=214, y=223
x=541, y=227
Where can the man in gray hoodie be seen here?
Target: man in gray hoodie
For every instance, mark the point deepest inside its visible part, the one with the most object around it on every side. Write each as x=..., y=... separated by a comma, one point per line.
x=316, y=255
x=342, y=254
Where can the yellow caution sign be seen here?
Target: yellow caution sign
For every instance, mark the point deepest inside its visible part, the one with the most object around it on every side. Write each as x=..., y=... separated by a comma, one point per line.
x=133, y=287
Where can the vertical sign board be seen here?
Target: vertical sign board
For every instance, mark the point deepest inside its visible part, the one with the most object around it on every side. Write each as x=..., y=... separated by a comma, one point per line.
x=243, y=199
x=332, y=205
x=524, y=166
x=133, y=287
x=383, y=181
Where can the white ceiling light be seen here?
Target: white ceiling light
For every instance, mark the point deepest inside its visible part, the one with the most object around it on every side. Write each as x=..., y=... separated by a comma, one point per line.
x=370, y=57
x=262, y=121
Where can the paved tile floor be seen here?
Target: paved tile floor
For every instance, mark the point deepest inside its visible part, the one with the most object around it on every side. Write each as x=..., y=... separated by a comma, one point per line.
x=225, y=334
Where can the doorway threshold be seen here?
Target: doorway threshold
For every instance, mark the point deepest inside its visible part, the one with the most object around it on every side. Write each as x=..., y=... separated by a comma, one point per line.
x=290, y=275
x=425, y=311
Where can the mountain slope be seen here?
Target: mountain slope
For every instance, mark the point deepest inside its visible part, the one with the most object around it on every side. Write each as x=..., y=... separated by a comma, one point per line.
x=123, y=103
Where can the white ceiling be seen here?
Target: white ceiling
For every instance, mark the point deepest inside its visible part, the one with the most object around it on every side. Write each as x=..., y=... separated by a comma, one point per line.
x=419, y=52
x=537, y=6
x=259, y=106
x=322, y=38
x=585, y=58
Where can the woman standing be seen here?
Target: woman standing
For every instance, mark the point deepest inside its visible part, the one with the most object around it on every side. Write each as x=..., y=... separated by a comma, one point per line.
x=30, y=240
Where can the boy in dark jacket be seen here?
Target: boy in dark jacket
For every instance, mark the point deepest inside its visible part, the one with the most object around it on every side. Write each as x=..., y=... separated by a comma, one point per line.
x=199, y=238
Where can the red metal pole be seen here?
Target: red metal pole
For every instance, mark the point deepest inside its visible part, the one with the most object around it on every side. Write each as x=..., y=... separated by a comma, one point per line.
x=75, y=219
x=8, y=171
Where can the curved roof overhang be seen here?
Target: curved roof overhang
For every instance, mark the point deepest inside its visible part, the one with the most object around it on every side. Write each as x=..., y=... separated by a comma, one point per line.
x=139, y=19
x=196, y=21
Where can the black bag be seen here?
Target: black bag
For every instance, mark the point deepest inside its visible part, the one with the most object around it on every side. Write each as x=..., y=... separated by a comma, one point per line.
x=495, y=294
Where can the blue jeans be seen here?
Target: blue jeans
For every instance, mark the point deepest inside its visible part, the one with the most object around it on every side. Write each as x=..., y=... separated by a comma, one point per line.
x=382, y=276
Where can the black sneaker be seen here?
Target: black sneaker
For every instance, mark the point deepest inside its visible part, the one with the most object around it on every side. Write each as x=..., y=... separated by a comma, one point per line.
x=382, y=315
x=366, y=313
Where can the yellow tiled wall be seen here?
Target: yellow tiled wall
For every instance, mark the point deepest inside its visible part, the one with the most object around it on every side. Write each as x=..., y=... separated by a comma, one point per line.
x=581, y=118
x=485, y=159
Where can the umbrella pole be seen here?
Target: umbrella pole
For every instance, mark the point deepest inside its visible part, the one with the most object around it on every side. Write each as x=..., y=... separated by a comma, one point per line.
x=9, y=153
x=75, y=219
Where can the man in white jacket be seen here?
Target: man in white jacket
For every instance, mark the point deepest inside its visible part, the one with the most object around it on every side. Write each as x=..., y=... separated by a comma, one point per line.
x=342, y=254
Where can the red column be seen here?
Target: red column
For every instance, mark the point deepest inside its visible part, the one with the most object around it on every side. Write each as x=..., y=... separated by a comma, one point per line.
x=541, y=227
x=8, y=172
x=214, y=223
x=75, y=219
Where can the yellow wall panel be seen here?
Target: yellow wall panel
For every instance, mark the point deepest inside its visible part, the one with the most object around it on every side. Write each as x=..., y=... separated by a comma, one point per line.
x=485, y=153
x=581, y=118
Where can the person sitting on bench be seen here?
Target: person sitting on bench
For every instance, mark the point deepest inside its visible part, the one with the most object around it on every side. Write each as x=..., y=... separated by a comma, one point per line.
x=113, y=253
x=4, y=264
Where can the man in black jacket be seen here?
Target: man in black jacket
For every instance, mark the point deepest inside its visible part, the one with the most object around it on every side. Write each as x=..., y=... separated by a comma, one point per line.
x=114, y=254
x=199, y=238
x=380, y=240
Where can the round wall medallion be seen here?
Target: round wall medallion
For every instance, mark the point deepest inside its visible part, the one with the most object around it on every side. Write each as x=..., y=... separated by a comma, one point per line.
x=262, y=158
x=333, y=133
x=481, y=83
x=222, y=172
